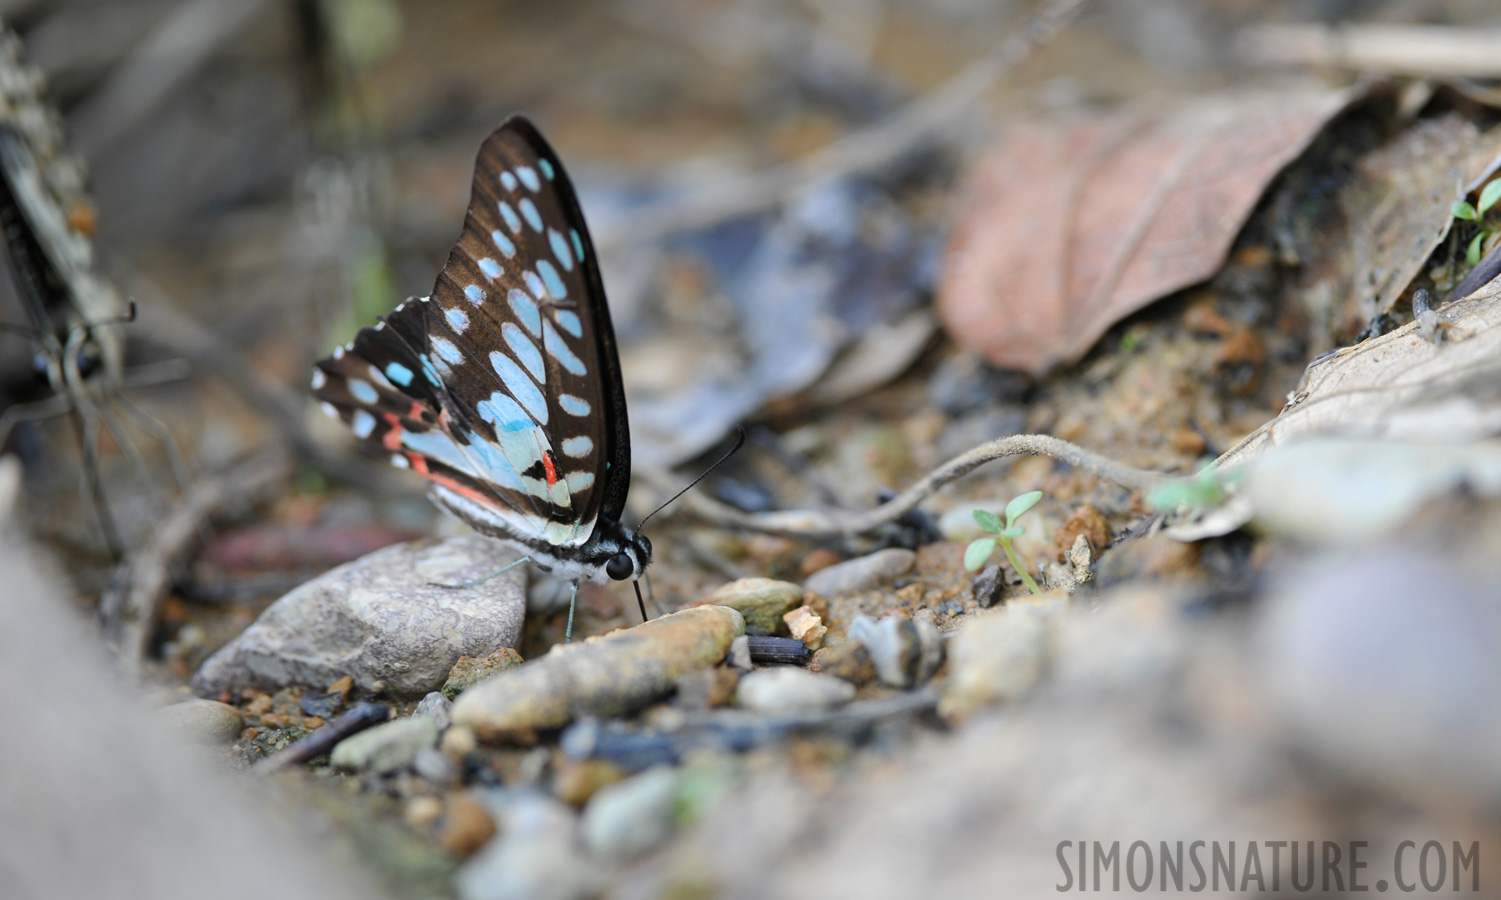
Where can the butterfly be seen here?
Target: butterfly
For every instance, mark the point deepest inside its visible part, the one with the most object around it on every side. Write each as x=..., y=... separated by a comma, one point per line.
x=502, y=387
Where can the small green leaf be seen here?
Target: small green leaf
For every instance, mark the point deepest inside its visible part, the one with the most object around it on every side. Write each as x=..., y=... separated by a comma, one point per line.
x=977, y=552
x=1463, y=210
x=1020, y=504
x=988, y=521
x=1015, y=531
x=1489, y=196
x=1472, y=255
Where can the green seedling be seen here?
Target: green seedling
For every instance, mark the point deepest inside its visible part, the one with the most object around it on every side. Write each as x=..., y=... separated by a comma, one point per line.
x=1463, y=210
x=979, y=549
x=1202, y=491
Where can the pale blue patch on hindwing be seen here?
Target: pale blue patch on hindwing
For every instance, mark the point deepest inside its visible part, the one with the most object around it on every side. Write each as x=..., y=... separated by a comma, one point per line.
x=363, y=392
x=399, y=374
x=504, y=413
x=578, y=243
x=490, y=267
x=519, y=385
x=578, y=447
x=526, y=310
x=430, y=371
x=560, y=248
x=447, y=350
x=568, y=320
x=512, y=222
x=528, y=177
x=529, y=210
x=458, y=320
x=503, y=243
x=509, y=180
x=579, y=481
x=475, y=294
x=559, y=350
x=574, y=406
x=525, y=350
x=550, y=277
x=546, y=168
x=362, y=424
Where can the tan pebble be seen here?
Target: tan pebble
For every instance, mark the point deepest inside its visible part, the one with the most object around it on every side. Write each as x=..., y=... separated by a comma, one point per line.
x=342, y=686
x=819, y=559
x=458, y=742
x=260, y=705
x=762, y=601
x=850, y=661
x=466, y=825
x=577, y=781
x=806, y=626
x=422, y=811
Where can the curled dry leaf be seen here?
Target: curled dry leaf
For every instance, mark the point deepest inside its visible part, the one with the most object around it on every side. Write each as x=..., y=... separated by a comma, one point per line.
x=1070, y=227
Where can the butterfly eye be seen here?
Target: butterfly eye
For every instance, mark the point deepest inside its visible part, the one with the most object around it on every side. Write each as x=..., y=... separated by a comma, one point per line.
x=620, y=567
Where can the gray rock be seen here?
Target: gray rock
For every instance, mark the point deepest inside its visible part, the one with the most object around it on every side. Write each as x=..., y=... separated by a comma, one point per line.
x=739, y=656
x=862, y=573
x=999, y=656
x=528, y=868
x=905, y=652
x=762, y=601
x=386, y=748
x=436, y=707
x=786, y=689
x=632, y=817
x=1384, y=664
x=203, y=721
x=384, y=619
x=433, y=765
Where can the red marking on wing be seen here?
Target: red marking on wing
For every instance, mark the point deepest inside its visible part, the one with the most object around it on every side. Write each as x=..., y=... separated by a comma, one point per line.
x=391, y=440
x=552, y=470
x=419, y=464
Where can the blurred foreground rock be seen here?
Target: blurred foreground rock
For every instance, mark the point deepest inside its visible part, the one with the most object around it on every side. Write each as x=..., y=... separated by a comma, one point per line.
x=111, y=804
x=387, y=620
x=610, y=675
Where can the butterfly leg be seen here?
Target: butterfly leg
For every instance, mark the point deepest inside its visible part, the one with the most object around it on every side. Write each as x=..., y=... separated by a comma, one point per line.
x=491, y=577
x=652, y=595
x=572, y=600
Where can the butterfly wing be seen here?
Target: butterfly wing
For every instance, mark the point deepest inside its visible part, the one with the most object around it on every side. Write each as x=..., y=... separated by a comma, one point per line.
x=503, y=387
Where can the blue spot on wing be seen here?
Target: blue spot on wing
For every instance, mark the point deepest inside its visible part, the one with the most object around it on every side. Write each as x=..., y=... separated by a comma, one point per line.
x=512, y=222
x=503, y=243
x=363, y=392
x=546, y=168
x=560, y=248
x=508, y=180
x=578, y=243
x=490, y=267
x=525, y=350
x=399, y=374
x=528, y=177
x=568, y=320
x=574, y=406
x=520, y=386
x=529, y=210
x=558, y=350
x=526, y=310
x=550, y=277
x=475, y=295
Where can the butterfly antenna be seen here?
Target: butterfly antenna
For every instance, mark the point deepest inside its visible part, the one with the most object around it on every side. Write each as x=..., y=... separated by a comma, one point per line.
x=739, y=442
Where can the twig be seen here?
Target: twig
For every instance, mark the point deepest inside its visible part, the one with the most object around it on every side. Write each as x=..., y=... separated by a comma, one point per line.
x=778, y=651
x=359, y=718
x=866, y=150
x=129, y=606
x=1426, y=50
x=834, y=523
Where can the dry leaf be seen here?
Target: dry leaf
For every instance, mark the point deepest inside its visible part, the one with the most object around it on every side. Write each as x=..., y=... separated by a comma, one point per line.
x=1069, y=228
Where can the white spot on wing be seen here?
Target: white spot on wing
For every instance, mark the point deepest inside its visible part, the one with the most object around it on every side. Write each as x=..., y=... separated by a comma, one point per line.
x=319, y=379
x=528, y=177
x=574, y=406
x=362, y=424
x=578, y=447
x=458, y=320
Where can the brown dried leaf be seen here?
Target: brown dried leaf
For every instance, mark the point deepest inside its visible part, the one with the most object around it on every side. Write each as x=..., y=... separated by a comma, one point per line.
x=1069, y=228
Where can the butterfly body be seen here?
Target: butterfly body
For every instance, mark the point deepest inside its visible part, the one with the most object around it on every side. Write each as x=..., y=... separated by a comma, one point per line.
x=502, y=387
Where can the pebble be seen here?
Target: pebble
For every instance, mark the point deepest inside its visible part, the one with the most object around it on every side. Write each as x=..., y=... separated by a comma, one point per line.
x=203, y=721
x=989, y=586
x=850, y=661
x=470, y=670
x=905, y=652
x=739, y=656
x=632, y=817
x=807, y=626
x=861, y=573
x=707, y=688
x=577, y=780
x=432, y=765
x=999, y=656
x=762, y=601
x=384, y=619
x=436, y=707
x=1383, y=664
x=422, y=811
x=529, y=868
x=466, y=825
x=610, y=675
x=387, y=747
x=790, y=690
